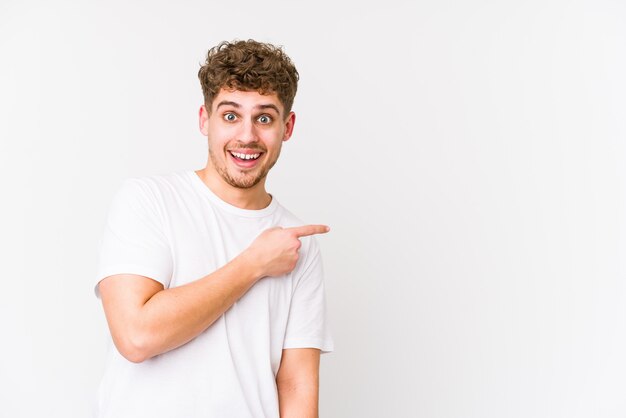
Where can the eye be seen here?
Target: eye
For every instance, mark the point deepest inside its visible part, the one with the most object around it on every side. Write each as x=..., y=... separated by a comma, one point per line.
x=264, y=119
x=230, y=117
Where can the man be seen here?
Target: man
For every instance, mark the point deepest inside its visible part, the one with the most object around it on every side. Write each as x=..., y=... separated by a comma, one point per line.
x=212, y=291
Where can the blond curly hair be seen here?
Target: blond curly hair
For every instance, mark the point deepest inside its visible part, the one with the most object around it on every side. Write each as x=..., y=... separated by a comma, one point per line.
x=249, y=66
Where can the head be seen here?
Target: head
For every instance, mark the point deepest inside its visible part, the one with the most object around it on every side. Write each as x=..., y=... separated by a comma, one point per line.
x=249, y=66
x=248, y=89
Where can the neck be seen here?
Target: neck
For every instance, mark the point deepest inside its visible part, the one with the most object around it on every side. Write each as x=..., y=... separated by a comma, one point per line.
x=253, y=198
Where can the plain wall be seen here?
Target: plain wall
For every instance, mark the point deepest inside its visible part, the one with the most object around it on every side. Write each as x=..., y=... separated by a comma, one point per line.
x=468, y=155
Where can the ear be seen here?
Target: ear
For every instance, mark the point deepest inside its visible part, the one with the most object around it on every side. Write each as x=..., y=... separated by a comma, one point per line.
x=289, y=123
x=203, y=120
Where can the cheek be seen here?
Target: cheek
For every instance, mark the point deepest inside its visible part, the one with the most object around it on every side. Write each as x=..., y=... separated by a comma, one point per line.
x=220, y=134
x=273, y=143
x=275, y=136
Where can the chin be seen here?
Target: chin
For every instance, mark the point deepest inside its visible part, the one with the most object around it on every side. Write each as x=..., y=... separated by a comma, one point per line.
x=243, y=183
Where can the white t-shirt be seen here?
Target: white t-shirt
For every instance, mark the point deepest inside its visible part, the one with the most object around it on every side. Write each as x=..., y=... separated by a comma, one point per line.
x=173, y=229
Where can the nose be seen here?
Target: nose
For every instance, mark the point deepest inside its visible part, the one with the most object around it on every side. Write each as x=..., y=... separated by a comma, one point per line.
x=248, y=133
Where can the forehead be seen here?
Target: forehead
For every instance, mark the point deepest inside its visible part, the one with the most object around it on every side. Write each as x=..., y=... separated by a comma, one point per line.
x=247, y=100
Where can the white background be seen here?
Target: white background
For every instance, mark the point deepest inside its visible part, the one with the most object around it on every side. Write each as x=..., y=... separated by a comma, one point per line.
x=469, y=156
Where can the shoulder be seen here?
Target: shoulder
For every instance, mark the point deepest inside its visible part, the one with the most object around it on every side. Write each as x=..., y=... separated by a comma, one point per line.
x=155, y=187
x=158, y=183
x=287, y=218
x=149, y=195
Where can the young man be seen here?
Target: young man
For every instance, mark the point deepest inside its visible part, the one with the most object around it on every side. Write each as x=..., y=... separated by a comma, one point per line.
x=213, y=291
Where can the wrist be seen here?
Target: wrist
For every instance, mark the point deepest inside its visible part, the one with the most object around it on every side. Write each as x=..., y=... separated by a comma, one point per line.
x=249, y=264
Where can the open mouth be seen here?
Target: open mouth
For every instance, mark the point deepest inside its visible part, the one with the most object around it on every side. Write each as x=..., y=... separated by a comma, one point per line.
x=246, y=160
x=245, y=156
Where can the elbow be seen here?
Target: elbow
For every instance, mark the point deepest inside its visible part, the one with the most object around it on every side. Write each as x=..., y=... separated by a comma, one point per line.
x=134, y=348
x=134, y=356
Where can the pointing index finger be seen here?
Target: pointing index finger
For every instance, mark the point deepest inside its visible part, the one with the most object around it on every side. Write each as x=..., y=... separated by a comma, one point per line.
x=306, y=230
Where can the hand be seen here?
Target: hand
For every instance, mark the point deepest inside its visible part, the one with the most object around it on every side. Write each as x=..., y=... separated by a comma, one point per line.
x=275, y=251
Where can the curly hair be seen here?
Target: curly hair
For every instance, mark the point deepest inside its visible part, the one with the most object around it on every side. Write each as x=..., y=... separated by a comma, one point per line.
x=249, y=66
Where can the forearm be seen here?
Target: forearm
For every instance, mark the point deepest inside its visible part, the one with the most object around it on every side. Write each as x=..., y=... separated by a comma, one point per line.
x=174, y=316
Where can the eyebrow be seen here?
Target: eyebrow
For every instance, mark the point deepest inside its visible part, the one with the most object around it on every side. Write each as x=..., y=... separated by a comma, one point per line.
x=269, y=106
x=227, y=103
x=237, y=105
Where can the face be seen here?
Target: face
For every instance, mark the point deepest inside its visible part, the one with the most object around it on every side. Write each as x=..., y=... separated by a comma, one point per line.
x=245, y=131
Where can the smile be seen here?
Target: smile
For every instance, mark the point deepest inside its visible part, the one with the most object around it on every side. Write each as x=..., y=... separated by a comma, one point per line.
x=245, y=157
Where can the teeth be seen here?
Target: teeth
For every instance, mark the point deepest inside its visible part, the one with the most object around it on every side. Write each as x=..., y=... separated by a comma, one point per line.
x=245, y=156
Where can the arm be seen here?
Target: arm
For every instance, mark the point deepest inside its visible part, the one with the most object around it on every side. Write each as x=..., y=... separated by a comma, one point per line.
x=298, y=383
x=146, y=320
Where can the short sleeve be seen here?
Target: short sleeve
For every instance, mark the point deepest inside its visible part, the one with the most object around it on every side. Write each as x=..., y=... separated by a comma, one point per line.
x=307, y=326
x=134, y=241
